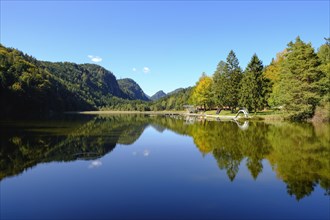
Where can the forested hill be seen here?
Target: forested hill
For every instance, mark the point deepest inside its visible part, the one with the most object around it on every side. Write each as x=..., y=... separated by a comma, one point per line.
x=132, y=89
x=31, y=86
x=91, y=82
x=26, y=86
x=94, y=77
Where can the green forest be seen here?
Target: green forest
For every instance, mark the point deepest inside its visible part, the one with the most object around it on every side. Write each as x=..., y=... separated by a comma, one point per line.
x=296, y=83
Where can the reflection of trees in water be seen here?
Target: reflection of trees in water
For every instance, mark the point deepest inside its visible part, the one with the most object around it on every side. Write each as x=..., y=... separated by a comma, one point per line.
x=301, y=157
x=299, y=153
x=21, y=149
x=230, y=145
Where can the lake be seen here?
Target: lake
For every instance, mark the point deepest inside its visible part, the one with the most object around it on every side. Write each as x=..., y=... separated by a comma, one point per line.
x=160, y=167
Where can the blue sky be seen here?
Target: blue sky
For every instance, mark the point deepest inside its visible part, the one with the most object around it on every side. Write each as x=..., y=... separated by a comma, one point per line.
x=160, y=44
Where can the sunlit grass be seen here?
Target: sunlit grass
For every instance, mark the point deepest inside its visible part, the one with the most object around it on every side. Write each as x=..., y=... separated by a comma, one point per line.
x=223, y=112
x=265, y=114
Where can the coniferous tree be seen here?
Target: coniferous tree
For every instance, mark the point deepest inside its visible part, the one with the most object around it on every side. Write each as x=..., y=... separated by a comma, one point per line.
x=254, y=86
x=233, y=74
x=218, y=91
x=226, y=81
x=300, y=78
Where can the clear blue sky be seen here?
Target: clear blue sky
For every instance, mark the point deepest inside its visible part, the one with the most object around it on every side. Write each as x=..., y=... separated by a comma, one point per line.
x=160, y=44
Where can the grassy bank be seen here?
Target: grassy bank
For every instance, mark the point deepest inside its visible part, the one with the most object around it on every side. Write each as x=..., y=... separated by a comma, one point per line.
x=269, y=115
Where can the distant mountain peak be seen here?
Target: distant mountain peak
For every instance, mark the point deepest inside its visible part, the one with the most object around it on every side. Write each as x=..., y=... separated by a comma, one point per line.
x=158, y=95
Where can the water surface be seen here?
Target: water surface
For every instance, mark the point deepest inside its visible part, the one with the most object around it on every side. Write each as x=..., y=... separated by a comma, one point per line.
x=156, y=167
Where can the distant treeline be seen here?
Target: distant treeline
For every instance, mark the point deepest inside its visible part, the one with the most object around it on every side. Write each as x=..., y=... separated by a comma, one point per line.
x=174, y=101
x=296, y=82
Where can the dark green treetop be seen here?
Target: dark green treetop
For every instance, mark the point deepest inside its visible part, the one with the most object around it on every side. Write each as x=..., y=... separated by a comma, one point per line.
x=227, y=78
x=254, y=86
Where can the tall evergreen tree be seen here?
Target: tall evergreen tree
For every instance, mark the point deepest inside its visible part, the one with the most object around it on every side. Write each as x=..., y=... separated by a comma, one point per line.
x=254, y=86
x=300, y=77
x=218, y=91
x=226, y=81
x=234, y=75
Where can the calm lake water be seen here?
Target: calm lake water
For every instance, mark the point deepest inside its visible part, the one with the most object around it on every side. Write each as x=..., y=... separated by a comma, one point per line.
x=157, y=167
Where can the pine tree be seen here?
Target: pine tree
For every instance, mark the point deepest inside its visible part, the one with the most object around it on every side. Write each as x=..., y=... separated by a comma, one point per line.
x=233, y=74
x=254, y=86
x=300, y=77
x=226, y=81
x=218, y=91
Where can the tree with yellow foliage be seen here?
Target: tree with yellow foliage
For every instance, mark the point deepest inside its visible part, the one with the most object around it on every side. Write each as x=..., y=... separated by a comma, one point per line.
x=202, y=93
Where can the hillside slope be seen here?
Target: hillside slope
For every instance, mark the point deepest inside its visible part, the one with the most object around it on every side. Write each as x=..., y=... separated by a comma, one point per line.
x=132, y=90
x=26, y=87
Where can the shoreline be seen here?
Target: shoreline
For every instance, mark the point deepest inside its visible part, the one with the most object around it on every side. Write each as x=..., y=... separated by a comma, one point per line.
x=124, y=112
x=252, y=117
x=170, y=113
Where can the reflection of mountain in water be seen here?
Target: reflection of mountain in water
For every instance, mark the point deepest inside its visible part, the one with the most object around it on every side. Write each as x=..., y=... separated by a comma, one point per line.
x=21, y=149
x=298, y=153
x=158, y=128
